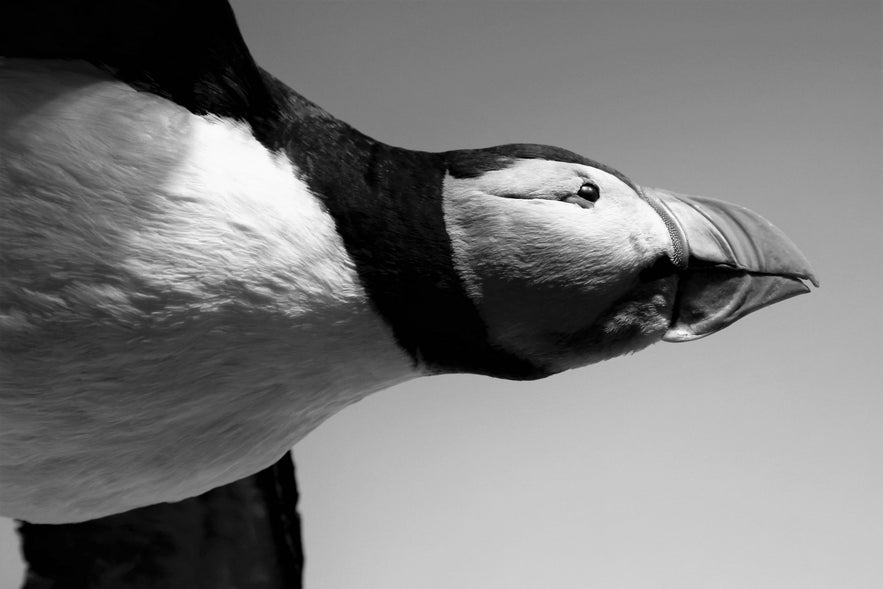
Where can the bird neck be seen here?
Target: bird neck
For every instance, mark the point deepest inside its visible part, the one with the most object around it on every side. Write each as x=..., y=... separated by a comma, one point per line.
x=387, y=204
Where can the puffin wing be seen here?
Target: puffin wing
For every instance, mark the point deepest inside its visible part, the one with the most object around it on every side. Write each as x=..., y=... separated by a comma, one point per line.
x=191, y=53
x=245, y=535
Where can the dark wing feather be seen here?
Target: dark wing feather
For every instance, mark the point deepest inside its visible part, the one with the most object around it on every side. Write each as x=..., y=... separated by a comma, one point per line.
x=189, y=51
x=245, y=535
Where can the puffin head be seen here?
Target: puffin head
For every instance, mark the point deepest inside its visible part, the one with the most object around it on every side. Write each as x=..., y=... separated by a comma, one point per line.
x=569, y=262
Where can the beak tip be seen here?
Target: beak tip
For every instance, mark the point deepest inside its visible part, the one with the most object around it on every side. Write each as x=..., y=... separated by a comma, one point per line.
x=795, y=263
x=805, y=274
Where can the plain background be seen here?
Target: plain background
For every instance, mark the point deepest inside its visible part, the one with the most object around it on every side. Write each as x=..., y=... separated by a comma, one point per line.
x=753, y=458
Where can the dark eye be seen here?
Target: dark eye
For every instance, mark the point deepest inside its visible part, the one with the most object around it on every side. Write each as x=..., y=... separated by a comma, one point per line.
x=585, y=197
x=589, y=192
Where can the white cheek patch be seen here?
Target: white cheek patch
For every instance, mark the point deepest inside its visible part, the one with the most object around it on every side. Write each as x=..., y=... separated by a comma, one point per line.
x=540, y=271
x=487, y=223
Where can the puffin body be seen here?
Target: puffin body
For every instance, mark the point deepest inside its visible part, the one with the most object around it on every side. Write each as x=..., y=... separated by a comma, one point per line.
x=162, y=254
x=200, y=266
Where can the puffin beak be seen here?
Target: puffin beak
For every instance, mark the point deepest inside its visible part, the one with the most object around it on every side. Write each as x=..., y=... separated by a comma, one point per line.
x=736, y=262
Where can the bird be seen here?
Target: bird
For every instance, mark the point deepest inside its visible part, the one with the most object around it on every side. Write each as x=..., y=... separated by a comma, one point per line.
x=200, y=265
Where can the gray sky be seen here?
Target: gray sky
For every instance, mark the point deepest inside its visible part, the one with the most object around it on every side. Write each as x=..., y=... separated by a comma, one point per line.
x=753, y=458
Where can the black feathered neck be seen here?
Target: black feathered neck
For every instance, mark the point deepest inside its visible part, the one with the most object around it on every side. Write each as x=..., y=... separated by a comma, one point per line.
x=387, y=204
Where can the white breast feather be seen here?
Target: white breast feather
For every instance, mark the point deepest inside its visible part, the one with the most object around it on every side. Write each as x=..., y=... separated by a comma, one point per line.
x=177, y=307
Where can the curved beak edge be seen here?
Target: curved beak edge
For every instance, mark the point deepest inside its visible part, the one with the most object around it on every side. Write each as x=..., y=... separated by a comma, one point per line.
x=738, y=263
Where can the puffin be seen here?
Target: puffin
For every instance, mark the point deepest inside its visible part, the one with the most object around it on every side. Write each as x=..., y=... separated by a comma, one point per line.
x=200, y=266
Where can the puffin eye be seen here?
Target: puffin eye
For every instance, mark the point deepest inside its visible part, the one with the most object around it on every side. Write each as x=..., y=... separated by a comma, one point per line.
x=589, y=192
x=585, y=197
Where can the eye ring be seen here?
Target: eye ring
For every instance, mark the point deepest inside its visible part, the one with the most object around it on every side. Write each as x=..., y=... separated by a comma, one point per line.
x=589, y=191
